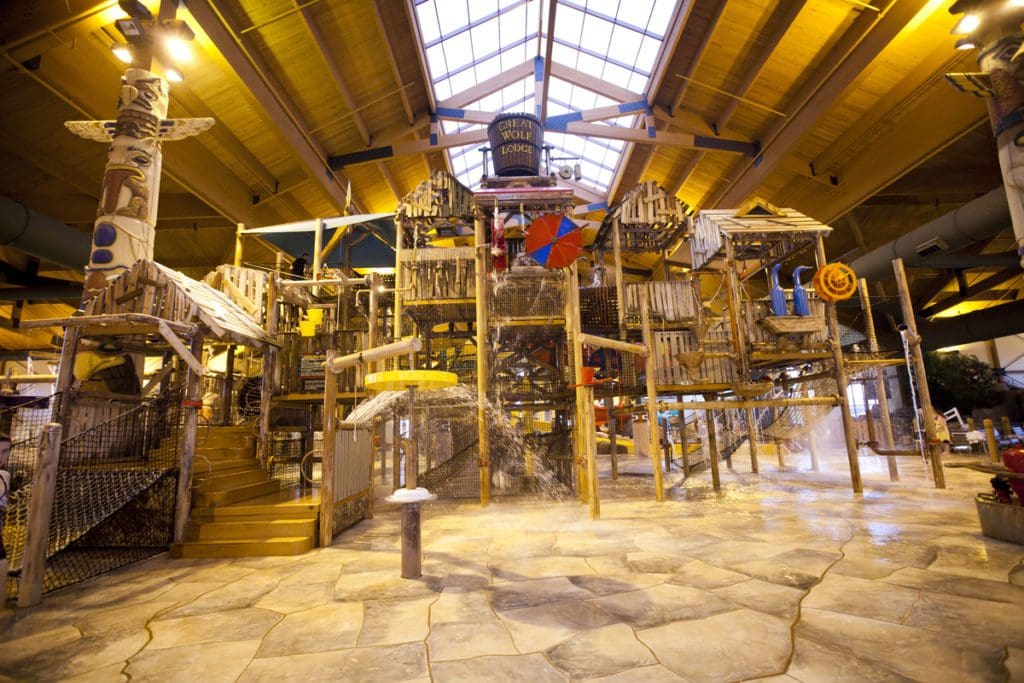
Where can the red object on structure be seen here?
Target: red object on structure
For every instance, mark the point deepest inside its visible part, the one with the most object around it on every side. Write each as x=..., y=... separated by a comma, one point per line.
x=499, y=251
x=1013, y=458
x=554, y=241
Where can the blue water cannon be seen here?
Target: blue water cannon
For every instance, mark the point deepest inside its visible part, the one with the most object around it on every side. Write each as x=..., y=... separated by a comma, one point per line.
x=801, y=304
x=777, y=293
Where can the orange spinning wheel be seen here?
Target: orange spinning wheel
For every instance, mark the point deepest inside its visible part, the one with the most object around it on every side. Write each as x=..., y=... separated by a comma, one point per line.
x=835, y=282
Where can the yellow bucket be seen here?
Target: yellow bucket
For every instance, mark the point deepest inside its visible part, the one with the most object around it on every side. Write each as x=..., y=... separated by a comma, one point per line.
x=315, y=315
x=307, y=328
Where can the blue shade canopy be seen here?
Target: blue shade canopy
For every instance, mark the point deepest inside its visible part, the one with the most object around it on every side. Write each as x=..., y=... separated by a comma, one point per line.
x=372, y=243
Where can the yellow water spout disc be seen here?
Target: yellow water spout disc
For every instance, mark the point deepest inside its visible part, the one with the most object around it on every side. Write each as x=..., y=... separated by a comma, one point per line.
x=398, y=380
x=835, y=282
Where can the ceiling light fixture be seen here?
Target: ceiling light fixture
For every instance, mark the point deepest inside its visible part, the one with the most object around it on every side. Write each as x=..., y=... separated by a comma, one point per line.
x=173, y=74
x=177, y=48
x=968, y=24
x=122, y=52
x=966, y=44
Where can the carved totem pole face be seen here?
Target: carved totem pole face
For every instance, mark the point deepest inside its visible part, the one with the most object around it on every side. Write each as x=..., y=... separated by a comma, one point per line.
x=126, y=216
x=1006, y=113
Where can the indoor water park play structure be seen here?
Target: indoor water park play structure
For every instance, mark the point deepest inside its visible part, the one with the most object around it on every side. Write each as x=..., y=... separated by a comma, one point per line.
x=512, y=339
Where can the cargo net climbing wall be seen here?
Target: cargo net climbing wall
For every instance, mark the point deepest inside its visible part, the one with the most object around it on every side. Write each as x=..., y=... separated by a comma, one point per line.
x=114, y=496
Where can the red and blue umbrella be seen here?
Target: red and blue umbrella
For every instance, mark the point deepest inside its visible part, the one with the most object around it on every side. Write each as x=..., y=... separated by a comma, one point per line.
x=554, y=241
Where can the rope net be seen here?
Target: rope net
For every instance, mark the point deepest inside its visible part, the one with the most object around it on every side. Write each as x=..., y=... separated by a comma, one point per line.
x=114, y=496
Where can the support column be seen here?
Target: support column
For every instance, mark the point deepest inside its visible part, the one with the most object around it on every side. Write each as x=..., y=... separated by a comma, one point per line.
x=396, y=450
x=716, y=480
x=990, y=441
x=396, y=325
x=878, y=375
x=752, y=439
x=269, y=370
x=192, y=403
x=44, y=483
x=652, y=393
x=229, y=381
x=327, y=457
x=840, y=371
x=917, y=356
x=483, y=369
x=613, y=441
x=584, y=414
x=318, y=240
x=238, y=245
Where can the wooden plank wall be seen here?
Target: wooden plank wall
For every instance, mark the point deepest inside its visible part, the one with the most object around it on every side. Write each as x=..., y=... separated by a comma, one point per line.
x=671, y=372
x=352, y=452
x=672, y=301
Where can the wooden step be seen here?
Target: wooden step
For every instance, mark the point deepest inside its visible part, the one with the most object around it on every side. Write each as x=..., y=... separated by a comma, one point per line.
x=225, y=452
x=219, y=466
x=247, y=511
x=229, y=440
x=229, y=496
x=229, y=480
x=245, y=547
x=250, y=529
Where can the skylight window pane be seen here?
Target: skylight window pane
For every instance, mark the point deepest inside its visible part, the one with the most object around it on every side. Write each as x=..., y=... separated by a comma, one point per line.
x=569, y=23
x=452, y=15
x=513, y=57
x=435, y=58
x=429, y=28
x=616, y=75
x=639, y=10
x=661, y=15
x=648, y=53
x=607, y=7
x=597, y=33
x=462, y=80
x=563, y=54
x=443, y=90
x=481, y=8
x=458, y=51
x=488, y=68
x=513, y=24
x=637, y=82
x=485, y=38
x=625, y=45
x=590, y=65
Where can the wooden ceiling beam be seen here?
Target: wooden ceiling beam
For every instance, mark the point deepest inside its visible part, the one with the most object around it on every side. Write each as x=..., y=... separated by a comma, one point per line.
x=389, y=52
x=780, y=21
x=487, y=87
x=39, y=19
x=940, y=117
x=980, y=286
x=691, y=68
x=859, y=46
x=594, y=84
x=256, y=77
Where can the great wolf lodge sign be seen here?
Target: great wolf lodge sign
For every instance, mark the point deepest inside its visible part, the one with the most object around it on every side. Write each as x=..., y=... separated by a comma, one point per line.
x=515, y=144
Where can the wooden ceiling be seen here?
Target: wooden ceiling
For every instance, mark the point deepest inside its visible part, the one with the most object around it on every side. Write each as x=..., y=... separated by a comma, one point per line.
x=846, y=99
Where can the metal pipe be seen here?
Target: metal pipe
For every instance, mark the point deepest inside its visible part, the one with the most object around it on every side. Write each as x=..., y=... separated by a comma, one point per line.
x=613, y=344
x=341, y=281
x=980, y=219
x=751, y=403
x=391, y=350
x=45, y=238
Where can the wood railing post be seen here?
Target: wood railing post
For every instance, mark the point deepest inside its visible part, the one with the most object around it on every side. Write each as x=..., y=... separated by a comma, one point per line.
x=44, y=481
x=192, y=403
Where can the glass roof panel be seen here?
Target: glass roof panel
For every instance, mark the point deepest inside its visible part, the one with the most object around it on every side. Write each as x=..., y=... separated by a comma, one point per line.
x=467, y=42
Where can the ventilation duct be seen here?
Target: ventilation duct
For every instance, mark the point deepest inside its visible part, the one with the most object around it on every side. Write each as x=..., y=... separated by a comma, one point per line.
x=980, y=219
x=43, y=237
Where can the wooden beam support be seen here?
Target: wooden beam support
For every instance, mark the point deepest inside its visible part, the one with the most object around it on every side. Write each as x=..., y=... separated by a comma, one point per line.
x=195, y=364
x=857, y=48
x=37, y=535
x=389, y=52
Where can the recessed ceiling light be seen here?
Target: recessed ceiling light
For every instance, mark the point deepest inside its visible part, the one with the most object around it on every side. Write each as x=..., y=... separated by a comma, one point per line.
x=968, y=24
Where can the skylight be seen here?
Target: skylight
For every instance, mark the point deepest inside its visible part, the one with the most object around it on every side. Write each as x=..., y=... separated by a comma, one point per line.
x=467, y=42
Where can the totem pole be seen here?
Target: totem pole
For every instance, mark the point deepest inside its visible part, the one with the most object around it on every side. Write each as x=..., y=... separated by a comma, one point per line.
x=996, y=28
x=126, y=217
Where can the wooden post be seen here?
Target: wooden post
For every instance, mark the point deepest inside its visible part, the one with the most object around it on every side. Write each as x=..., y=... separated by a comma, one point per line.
x=44, y=482
x=990, y=441
x=917, y=356
x=327, y=457
x=412, y=455
x=65, y=373
x=225, y=395
x=652, y=393
x=193, y=402
x=733, y=298
x=970, y=424
x=812, y=444
x=879, y=379
x=238, y=244
x=620, y=286
x=269, y=370
x=716, y=480
x=396, y=450
x=371, y=334
x=318, y=239
x=752, y=439
x=613, y=427
x=590, y=439
x=684, y=437
x=396, y=325
x=483, y=369
x=1007, y=429
x=584, y=395
x=840, y=371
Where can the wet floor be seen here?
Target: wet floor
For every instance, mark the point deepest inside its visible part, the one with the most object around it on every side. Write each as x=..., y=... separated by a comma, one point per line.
x=786, y=575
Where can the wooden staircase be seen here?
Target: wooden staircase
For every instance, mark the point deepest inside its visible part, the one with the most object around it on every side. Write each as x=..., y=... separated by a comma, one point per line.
x=237, y=509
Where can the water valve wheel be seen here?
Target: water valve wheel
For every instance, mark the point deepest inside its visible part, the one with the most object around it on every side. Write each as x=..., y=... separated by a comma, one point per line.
x=835, y=282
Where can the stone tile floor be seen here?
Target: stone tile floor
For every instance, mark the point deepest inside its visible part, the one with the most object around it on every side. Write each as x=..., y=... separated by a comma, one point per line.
x=786, y=576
